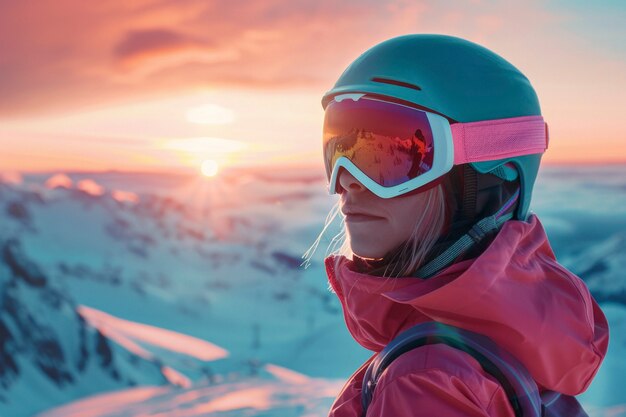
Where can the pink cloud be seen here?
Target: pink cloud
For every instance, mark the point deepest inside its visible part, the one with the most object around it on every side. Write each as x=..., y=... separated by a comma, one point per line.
x=138, y=42
x=68, y=54
x=138, y=46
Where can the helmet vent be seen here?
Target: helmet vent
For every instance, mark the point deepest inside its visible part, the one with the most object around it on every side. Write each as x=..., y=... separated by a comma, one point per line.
x=396, y=82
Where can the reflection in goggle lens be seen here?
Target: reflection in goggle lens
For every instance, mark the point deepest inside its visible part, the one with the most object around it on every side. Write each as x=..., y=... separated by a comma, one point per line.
x=390, y=143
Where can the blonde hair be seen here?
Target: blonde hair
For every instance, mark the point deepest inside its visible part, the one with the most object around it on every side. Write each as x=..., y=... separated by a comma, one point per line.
x=409, y=256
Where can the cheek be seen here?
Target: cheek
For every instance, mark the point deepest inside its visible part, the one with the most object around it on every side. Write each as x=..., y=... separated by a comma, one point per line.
x=402, y=230
x=375, y=239
x=403, y=222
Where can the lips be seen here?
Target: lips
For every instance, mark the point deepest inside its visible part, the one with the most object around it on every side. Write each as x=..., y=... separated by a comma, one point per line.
x=351, y=218
x=353, y=215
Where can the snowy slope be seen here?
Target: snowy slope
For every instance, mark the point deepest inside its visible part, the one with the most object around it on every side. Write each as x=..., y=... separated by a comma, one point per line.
x=218, y=261
x=270, y=395
x=282, y=394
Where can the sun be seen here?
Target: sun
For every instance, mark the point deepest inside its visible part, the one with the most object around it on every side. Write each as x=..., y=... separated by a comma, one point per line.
x=209, y=168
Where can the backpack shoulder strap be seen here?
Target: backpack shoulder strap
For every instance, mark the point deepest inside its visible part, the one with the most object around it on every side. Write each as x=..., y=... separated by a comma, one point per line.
x=519, y=386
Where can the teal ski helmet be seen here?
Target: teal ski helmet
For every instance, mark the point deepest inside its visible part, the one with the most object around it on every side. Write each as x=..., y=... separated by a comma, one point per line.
x=455, y=78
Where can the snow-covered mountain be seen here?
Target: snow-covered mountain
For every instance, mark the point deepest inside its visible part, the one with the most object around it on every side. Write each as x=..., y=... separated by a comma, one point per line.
x=215, y=261
x=48, y=347
x=195, y=287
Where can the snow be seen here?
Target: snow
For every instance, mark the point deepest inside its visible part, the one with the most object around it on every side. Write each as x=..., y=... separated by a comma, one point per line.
x=287, y=375
x=11, y=177
x=126, y=331
x=606, y=397
x=196, y=286
x=125, y=196
x=59, y=180
x=254, y=397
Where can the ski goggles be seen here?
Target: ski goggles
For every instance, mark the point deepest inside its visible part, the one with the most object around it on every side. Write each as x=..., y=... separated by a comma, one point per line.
x=392, y=148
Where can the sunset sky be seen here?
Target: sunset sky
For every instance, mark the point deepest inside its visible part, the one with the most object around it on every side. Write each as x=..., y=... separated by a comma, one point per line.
x=161, y=85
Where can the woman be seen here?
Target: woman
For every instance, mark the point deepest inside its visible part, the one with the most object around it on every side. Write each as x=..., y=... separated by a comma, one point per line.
x=433, y=144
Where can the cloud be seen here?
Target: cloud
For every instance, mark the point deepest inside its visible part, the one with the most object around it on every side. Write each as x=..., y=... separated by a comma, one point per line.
x=69, y=54
x=139, y=43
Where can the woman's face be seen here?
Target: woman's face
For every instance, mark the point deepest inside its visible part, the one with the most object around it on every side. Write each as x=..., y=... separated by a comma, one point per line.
x=376, y=225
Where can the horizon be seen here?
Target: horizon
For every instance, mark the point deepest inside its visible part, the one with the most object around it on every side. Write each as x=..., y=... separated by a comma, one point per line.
x=282, y=167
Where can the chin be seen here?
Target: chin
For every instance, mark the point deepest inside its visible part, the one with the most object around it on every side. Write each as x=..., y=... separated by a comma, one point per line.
x=368, y=246
x=370, y=253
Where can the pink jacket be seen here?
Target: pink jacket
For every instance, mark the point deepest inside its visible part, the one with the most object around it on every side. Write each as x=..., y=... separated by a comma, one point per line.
x=515, y=293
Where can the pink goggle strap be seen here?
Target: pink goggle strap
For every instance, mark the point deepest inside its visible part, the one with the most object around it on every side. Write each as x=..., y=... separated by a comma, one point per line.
x=500, y=138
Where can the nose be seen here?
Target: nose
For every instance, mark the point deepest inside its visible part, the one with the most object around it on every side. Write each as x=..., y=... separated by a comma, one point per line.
x=348, y=182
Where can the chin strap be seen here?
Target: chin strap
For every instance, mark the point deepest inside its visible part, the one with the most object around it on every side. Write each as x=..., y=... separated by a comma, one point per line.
x=472, y=237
